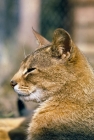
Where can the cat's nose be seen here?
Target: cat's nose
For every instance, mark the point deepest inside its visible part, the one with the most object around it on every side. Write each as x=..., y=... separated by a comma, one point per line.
x=13, y=83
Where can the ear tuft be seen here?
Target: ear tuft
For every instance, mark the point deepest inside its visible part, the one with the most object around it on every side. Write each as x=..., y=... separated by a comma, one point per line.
x=41, y=41
x=61, y=45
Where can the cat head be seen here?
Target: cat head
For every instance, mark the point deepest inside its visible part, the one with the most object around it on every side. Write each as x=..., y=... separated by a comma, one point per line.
x=44, y=73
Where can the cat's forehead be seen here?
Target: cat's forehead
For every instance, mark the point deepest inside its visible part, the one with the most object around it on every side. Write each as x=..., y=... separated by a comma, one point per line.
x=27, y=60
x=36, y=53
x=40, y=57
x=32, y=59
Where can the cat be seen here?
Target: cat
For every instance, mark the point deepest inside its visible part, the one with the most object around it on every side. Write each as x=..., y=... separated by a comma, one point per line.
x=58, y=77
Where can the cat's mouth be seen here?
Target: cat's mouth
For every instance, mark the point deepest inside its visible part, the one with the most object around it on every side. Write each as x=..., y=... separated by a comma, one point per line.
x=33, y=95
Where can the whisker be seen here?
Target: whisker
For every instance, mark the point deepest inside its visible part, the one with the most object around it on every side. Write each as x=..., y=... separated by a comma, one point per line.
x=24, y=50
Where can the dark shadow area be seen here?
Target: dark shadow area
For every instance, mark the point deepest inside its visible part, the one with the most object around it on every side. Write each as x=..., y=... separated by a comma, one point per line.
x=20, y=133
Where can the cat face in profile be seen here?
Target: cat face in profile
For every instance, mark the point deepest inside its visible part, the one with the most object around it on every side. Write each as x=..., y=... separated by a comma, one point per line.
x=51, y=69
x=59, y=76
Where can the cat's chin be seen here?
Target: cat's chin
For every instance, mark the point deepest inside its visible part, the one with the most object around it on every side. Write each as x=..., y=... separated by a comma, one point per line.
x=34, y=95
x=24, y=97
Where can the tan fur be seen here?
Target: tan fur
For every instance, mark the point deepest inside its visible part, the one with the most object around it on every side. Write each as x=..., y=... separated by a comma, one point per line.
x=60, y=78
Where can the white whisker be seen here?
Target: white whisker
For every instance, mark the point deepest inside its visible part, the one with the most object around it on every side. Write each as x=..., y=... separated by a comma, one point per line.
x=24, y=51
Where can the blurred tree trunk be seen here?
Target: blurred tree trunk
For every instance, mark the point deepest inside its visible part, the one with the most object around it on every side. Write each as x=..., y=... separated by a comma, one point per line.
x=29, y=17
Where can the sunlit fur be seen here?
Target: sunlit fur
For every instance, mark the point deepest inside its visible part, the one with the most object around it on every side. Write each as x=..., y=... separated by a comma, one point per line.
x=63, y=83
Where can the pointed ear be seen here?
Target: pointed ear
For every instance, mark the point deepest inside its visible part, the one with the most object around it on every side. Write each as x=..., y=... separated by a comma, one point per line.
x=61, y=45
x=40, y=39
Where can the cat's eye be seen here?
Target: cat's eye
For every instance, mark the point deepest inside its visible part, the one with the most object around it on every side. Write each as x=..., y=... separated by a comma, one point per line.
x=30, y=70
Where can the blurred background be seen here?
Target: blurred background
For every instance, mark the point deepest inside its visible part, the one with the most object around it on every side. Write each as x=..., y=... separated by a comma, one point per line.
x=17, y=17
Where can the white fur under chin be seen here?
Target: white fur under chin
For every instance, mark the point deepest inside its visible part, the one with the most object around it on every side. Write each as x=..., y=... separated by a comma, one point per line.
x=35, y=95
